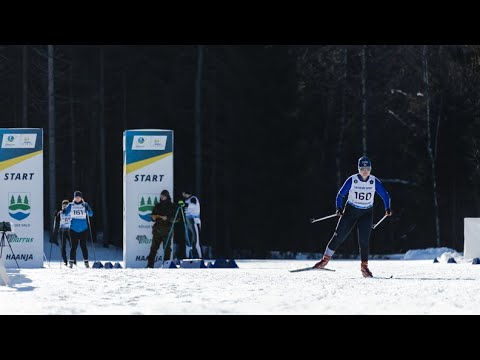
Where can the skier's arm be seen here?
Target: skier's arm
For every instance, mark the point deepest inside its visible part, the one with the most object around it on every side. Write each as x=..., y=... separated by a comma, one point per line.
x=343, y=192
x=88, y=209
x=68, y=209
x=56, y=225
x=56, y=222
x=383, y=194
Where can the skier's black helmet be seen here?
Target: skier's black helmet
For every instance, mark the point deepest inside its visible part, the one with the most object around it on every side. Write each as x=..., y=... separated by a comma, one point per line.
x=364, y=162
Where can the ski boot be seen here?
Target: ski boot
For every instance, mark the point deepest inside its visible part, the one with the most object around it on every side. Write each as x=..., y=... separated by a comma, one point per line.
x=322, y=263
x=365, y=270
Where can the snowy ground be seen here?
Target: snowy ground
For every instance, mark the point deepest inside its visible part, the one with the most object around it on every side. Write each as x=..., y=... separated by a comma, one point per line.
x=257, y=287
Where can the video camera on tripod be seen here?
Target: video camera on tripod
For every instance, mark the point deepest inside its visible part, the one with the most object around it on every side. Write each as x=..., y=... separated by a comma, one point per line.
x=179, y=214
x=6, y=226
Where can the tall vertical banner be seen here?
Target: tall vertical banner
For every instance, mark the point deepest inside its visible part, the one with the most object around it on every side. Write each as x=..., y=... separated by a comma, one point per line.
x=147, y=171
x=21, y=196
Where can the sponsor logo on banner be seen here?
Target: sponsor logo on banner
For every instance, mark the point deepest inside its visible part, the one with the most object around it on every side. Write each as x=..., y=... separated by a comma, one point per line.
x=149, y=142
x=144, y=258
x=15, y=238
x=24, y=257
x=19, y=205
x=19, y=141
x=146, y=203
x=143, y=239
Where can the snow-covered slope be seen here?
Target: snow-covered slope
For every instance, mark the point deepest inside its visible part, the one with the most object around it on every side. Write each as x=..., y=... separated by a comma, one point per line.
x=257, y=287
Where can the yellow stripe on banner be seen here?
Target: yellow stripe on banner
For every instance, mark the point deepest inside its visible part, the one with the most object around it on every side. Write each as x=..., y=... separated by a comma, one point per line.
x=9, y=163
x=142, y=163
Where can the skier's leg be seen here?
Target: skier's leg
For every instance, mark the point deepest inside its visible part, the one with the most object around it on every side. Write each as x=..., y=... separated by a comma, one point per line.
x=344, y=227
x=197, y=226
x=63, y=245
x=83, y=246
x=364, y=230
x=191, y=232
x=74, y=236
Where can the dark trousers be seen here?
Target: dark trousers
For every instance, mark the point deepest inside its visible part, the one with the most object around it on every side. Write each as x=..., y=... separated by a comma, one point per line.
x=194, y=237
x=64, y=236
x=77, y=237
x=157, y=241
x=362, y=218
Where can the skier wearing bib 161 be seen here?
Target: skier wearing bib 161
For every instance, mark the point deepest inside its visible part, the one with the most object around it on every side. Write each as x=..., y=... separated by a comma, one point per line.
x=78, y=210
x=359, y=190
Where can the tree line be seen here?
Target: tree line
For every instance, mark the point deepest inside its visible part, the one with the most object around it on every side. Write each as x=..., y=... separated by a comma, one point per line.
x=265, y=135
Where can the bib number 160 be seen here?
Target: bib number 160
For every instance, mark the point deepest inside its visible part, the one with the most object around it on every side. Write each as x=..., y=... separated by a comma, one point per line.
x=363, y=196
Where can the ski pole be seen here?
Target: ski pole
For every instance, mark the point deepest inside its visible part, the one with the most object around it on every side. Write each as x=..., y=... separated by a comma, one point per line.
x=323, y=218
x=378, y=223
x=51, y=235
x=91, y=237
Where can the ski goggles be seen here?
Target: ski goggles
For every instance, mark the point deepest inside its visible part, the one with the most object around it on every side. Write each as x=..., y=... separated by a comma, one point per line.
x=365, y=168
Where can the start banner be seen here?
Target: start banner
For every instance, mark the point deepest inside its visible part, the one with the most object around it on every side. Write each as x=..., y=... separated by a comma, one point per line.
x=147, y=171
x=21, y=196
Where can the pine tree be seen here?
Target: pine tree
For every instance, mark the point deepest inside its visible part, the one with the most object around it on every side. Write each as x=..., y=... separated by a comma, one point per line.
x=142, y=201
x=149, y=201
x=155, y=201
x=25, y=200
x=19, y=199
x=12, y=200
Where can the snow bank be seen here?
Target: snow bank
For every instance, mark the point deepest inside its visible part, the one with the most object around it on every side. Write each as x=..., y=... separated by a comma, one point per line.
x=442, y=254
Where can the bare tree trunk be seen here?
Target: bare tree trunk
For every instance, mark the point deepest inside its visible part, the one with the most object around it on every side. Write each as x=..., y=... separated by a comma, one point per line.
x=342, y=120
x=24, y=86
x=72, y=127
x=124, y=86
x=453, y=203
x=213, y=184
x=198, y=121
x=51, y=132
x=431, y=156
x=364, y=101
x=103, y=163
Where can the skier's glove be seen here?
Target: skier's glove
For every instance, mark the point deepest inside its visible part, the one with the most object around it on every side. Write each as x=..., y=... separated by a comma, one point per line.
x=388, y=212
x=339, y=212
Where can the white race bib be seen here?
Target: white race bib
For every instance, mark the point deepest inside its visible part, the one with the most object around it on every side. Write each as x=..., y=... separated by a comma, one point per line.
x=65, y=220
x=78, y=212
x=362, y=193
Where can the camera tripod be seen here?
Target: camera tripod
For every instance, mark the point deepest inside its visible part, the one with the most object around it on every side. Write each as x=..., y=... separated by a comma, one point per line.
x=180, y=210
x=2, y=245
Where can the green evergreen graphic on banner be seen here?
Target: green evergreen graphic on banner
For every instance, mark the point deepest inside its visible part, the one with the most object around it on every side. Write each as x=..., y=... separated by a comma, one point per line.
x=19, y=205
x=146, y=205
